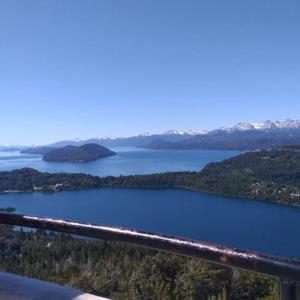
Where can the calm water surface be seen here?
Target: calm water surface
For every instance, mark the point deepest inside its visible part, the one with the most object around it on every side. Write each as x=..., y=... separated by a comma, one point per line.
x=254, y=225
x=128, y=161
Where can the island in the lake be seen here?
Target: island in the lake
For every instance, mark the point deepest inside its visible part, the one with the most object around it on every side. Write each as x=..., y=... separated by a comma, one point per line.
x=73, y=154
x=265, y=175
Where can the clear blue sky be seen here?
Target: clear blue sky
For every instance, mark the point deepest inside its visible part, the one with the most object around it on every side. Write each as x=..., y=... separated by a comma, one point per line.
x=71, y=68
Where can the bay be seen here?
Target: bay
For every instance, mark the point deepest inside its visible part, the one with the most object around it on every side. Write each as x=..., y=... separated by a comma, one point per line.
x=246, y=224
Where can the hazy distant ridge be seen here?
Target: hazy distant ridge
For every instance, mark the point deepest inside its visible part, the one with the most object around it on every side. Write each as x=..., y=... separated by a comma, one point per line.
x=242, y=136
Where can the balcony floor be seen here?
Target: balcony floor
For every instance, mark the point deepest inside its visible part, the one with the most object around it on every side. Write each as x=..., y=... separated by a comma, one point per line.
x=16, y=287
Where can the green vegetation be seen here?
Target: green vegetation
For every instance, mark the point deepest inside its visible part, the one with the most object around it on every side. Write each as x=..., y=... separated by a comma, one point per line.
x=267, y=175
x=30, y=180
x=119, y=271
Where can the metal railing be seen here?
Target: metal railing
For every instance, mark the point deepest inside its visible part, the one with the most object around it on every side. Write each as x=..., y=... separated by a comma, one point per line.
x=287, y=270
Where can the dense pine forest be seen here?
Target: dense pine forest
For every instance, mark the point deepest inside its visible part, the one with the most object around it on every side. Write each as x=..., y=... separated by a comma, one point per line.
x=119, y=271
x=267, y=175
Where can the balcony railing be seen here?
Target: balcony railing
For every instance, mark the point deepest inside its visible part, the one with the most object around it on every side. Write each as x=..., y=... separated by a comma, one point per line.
x=287, y=270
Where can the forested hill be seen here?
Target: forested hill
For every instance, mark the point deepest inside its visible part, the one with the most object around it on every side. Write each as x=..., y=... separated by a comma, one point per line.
x=267, y=175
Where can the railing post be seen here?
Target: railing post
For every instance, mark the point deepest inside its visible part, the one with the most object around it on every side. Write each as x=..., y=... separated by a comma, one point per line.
x=226, y=292
x=289, y=290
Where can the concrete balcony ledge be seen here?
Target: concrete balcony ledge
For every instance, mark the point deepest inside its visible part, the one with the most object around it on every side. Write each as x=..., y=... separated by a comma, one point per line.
x=16, y=287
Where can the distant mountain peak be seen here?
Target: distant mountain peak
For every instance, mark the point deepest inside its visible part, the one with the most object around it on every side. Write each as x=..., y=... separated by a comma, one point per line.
x=146, y=134
x=186, y=132
x=173, y=132
x=179, y=135
x=266, y=125
x=242, y=126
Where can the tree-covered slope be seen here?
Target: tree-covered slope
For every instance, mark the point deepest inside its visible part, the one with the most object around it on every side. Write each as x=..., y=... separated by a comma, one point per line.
x=120, y=271
x=29, y=180
x=268, y=174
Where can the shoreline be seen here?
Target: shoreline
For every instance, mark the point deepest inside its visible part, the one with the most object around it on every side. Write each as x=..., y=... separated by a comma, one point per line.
x=11, y=192
x=153, y=188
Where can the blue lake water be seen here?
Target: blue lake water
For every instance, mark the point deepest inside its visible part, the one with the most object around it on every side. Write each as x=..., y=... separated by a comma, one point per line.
x=128, y=161
x=246, y=224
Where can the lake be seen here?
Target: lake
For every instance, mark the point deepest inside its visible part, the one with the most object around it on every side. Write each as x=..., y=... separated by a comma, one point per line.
x=254, y=225
x=246, y=224
x=128, y=161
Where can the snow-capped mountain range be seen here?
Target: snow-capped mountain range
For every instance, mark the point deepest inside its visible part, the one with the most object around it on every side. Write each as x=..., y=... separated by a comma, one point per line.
x=178, y=136
x=242, y=126
x=186, y=132
x=175, y=136
x=168, y=134
x=267, y=125
x=242, y=137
